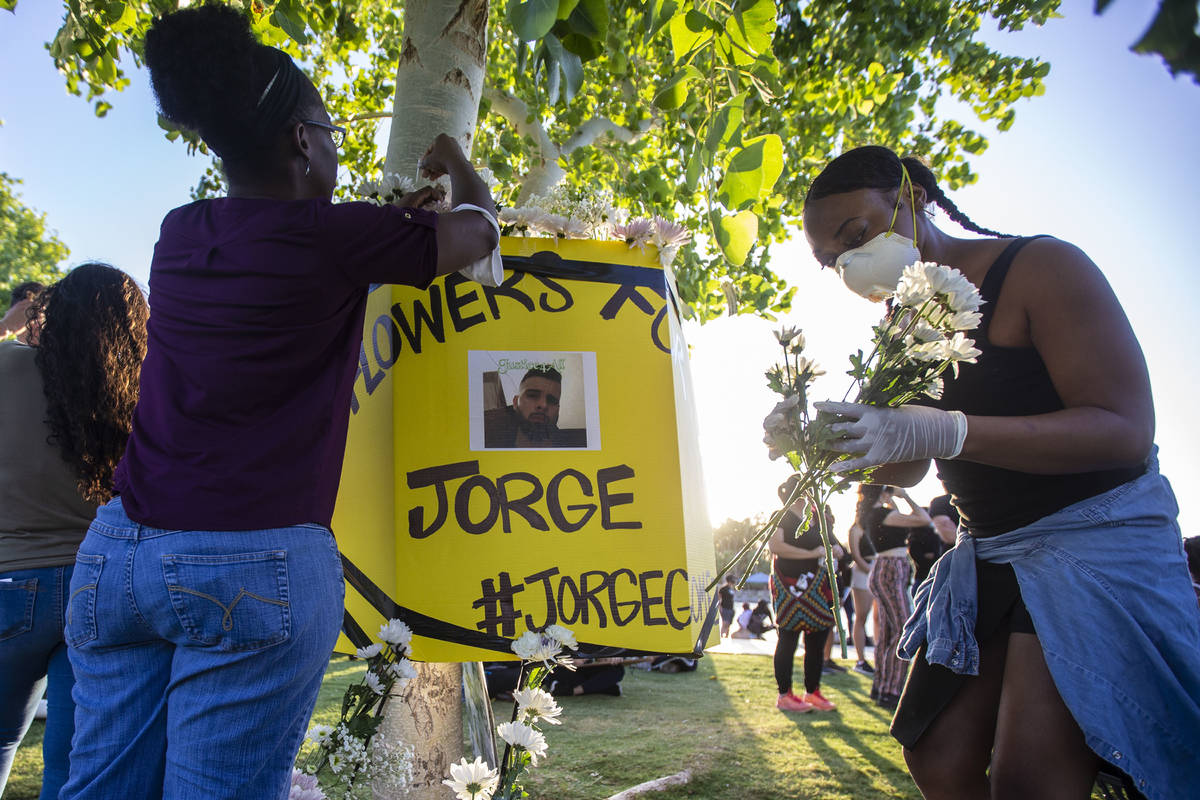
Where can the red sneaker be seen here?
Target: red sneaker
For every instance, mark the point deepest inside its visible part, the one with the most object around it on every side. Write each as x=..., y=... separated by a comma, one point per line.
x=789, y=702
x=817, y=701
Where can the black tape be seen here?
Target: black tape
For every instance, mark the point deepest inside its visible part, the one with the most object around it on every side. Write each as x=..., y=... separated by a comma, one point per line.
x=431, y=628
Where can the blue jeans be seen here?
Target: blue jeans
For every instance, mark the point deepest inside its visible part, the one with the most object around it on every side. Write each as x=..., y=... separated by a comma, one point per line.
x=198, y=656
x=32, y=654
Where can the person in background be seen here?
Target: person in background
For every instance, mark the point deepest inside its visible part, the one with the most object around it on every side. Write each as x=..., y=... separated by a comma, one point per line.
x=203, y=684
x=64, y=417
x=863, y=555
x=760, y=620
x=1046, y=444
x=799, y=561
x=925, y=547
x=15, y=322
x=888, y=528
x=743, y=620
x=945, y=520
x=725, y=604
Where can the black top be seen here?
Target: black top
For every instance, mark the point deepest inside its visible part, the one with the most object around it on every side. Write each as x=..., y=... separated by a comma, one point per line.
x=884, y=537
x=807, y=539
x=924, y=548
x=726, y=595
x=1009, y=382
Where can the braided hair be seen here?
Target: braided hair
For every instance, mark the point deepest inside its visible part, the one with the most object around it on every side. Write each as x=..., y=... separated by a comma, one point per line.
x=210, y=75
x=90, y=348
x=875, y=167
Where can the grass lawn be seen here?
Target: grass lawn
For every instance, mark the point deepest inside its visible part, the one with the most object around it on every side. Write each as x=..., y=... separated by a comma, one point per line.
x=719, y=721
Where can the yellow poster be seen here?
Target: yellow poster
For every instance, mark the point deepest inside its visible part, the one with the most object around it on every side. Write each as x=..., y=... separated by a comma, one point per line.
x=525, y=455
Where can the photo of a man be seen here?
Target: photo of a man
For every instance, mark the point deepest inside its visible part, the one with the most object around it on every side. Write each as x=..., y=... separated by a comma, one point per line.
x=532, y=418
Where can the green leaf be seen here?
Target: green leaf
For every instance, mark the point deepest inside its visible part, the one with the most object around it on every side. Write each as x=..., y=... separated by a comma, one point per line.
x=565, y=7
x=685, y=37
x=672, y=93
x=286, y=20
x=726, y=124
x=694, y=166
x=590, y=19
x=736, y=235
x=750, y=29
x=533, y=19
x=752, y=171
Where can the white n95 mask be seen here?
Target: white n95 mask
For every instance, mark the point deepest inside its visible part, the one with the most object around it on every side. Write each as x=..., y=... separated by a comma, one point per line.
x=873, y=270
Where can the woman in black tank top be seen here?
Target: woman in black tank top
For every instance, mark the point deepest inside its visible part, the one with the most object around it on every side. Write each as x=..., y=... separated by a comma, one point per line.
x=1057, y=409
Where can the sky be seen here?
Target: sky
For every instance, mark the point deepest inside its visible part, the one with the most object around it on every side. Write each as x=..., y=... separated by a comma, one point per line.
x=1106, y=159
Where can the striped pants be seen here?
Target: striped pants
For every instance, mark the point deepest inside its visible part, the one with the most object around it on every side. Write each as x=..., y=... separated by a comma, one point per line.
x=889, y=584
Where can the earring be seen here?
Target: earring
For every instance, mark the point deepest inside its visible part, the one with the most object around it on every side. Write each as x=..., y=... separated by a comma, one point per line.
x=307, y=166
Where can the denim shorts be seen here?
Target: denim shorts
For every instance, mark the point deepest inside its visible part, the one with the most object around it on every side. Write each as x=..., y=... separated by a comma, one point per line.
x=198, y=656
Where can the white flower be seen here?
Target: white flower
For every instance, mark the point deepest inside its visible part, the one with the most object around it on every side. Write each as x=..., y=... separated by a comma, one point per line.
x=321, y=735
x=669, y=234
x=564, y=636
x=924, y=332
x=304, y=787
x=368, y=652
x=914, y=287
x=488, y=177
x=518, y=734
x=934, y=388
x=964, y=321
x=396, y=633
x=538, y=706
x=473, y=781
x=960, y=348
x=636, y=232
x=404, y=671
x=928, y=351
x=807, y=366
x=785, y=336
x=337, y=762
x=373, y=683
x=530, y=646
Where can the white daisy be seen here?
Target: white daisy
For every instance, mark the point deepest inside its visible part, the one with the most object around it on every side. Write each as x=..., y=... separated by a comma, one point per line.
x=472, y=781
x=518, y=734
x=538, y=706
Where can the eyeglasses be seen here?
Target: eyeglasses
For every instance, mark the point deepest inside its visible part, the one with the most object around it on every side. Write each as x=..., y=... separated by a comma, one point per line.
x=336, y=132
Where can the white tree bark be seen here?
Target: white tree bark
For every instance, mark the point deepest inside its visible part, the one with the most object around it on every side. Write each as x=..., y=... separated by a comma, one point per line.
x=439, y=82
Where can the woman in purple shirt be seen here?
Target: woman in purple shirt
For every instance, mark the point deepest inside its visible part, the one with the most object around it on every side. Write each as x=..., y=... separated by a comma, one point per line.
x=207, y=597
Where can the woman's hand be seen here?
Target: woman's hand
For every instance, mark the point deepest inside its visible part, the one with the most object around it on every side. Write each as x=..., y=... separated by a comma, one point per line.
x=422, y=198
x=442, y=157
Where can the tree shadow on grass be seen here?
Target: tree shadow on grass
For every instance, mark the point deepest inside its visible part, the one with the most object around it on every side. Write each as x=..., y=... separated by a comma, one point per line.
x=822, y=738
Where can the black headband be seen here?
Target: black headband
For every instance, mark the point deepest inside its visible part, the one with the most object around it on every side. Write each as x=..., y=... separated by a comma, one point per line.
x=279, y=97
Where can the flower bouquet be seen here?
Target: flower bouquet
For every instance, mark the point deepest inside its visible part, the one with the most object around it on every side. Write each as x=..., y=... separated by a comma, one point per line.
x=922, y=335
x=540, y=653
x=344, y=761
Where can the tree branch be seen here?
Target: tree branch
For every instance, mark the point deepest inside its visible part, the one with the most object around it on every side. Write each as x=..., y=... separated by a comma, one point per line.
x=596, y=127
x=516, y=112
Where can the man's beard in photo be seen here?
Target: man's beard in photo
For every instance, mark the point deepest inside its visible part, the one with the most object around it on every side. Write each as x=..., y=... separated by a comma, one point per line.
x=536, y=431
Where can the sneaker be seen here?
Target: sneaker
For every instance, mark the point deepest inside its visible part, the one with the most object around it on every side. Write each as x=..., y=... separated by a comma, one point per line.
x=817, y=701
x=789, y=702
x=864, y=668
x=831, y=666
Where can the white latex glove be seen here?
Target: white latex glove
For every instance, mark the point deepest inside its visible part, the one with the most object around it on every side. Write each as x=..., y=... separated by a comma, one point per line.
x=890, y=435
x=488, y=270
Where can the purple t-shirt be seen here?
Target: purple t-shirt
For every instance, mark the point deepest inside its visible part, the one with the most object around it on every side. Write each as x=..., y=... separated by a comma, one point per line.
x=255, y=326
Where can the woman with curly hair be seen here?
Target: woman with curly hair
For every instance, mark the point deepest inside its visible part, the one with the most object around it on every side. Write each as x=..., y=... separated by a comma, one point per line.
x=208, y=595
x=66, y=411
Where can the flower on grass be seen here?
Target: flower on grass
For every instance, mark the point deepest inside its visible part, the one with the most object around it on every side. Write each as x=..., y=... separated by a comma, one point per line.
x=538, y=706
x=472, y=781
x=373, y=683
x=518, y=734
x=369, y=652
x=564, y=636
x=304, y=787
x=396, y=633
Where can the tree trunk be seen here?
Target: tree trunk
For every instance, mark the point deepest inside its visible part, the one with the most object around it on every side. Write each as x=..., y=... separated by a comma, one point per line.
x=439, y=83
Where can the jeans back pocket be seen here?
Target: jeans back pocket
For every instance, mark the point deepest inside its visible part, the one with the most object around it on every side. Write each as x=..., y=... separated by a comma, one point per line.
x=80, y=627
x=234, y=601
x=16, y=607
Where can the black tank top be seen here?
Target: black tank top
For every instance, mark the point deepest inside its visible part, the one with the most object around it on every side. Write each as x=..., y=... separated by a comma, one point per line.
x=1009, y=382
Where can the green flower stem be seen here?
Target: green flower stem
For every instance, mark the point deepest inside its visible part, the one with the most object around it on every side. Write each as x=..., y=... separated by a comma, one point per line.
x=831, y=569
